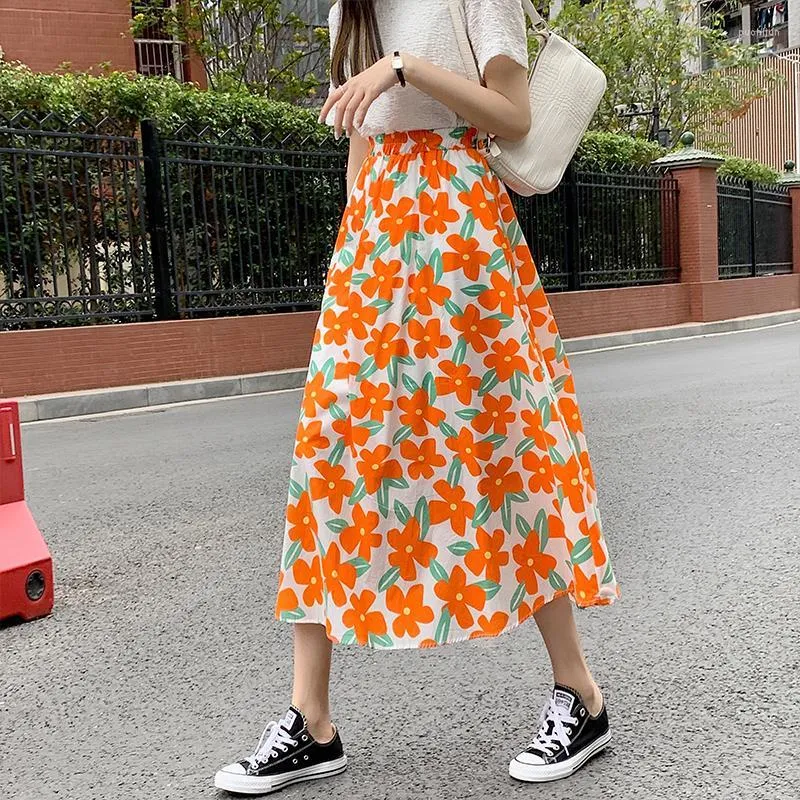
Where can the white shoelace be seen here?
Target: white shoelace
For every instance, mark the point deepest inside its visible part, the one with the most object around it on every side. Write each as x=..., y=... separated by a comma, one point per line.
x=559, y=732
x=275, y=738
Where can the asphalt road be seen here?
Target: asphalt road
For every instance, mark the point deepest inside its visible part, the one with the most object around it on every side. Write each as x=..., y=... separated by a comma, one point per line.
x=162, y=660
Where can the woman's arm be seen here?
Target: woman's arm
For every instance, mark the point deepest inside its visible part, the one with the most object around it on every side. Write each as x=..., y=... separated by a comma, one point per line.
x=359, y=147
x=502, y=107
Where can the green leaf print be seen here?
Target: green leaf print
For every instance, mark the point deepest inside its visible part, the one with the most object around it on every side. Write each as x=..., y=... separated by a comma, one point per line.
x=336, y=411
x=523, y=526
x=581, y=550
x=453, y=309
x=410, y=384
x=429, y=385
x=468, y=228
x=477, y=169
x=407, y=360
x=524, y=339
x=391, y=370
x=447, y=429
x=359, y=491
x=516, y=385
x=482, y=512
x=423, y=185
x=531, y=399
x=495, y=439
x=504, y=319
x=420, y=261
x=361, y=565
x=517, y=597
x=490, y=587
x=437, y=264
x=336, y=525
x=514, y=233
x=461, y=548
x=295, y=489
x=389, y=579
x=328, y=370
x=346, y=258
x=608, y=575
x=542, y=527
x=460, y=351
x=359, y=278
x=328, y=302
x=560, y=493
x=383, y=499
x=576, y=445
x=505, y=513
x=380, y=304
x=438, y=571
x=422, y=515
x=544, y=407
x=380, y=641
x=475, y=289
x=559, y=346
x=381, y=246
x=454, y=473
x=402, y=512
x=292, y=554
x=556, y=581
x=406, y=249
x=468, y=413
x=443, y=628
x=348, y=638
x=489, y=381
x=293, y=615
x=497, y=261
x=401, y=434
x=518, y=497
x=526, y=444
x=368, y=366
x=396, y=483
x=558, y=383
x=336, y=454
x=458, y=184
x=556, y=456
x=458, y=133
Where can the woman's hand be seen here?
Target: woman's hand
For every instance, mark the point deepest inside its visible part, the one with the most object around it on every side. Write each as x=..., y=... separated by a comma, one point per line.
x=354, y=97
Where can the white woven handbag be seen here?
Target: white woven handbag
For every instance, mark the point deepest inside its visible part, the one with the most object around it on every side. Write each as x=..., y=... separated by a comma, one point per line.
x=565, y=90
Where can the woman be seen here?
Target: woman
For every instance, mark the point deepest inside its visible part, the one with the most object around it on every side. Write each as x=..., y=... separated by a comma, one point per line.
x=441, y=489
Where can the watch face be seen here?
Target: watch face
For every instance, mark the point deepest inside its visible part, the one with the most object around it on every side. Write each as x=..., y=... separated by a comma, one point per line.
x=397, y=62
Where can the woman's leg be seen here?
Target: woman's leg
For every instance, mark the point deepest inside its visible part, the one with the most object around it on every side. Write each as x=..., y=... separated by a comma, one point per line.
x=557, y=626
x=312, y=672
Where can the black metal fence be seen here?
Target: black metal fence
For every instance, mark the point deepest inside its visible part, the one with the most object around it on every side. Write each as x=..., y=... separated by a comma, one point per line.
x=755, y=229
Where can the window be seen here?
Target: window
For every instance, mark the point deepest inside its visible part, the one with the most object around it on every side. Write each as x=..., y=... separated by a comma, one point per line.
x=157, y=53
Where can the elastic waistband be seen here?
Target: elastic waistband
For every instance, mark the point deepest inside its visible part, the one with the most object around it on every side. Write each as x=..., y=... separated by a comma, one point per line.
x=422, y=141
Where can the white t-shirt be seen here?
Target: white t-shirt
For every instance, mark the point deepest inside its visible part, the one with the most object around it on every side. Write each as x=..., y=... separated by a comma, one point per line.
x=424, y=28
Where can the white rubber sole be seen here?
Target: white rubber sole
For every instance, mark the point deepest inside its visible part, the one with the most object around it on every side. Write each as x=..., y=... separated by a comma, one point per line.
x=553, y=772
x=243, y=784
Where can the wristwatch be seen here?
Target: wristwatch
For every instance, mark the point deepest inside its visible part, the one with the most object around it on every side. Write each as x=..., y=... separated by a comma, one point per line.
x=397, y=66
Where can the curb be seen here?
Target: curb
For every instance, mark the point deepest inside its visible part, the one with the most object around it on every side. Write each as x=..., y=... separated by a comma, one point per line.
x=129, y=398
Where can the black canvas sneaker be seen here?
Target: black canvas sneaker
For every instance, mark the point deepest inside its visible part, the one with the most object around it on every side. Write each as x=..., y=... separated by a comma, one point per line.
x=286, y=754
x=568, y=737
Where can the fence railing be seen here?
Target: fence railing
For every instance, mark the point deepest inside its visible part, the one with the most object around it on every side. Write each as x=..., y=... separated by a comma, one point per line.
x=755, y=229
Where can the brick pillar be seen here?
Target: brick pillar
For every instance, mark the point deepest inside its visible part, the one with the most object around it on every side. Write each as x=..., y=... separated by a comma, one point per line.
x=792, y=180
x=698, y=221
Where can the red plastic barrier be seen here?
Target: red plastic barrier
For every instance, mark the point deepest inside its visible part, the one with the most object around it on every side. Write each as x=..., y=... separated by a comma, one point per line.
x=26, y=568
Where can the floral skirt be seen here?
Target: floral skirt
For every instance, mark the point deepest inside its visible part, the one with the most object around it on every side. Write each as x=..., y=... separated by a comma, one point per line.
x=441, y=488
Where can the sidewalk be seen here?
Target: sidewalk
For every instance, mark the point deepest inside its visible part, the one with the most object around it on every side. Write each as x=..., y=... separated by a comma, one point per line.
x=122, y=398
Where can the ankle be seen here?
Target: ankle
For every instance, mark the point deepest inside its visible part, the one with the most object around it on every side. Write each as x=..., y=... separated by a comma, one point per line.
x=588, y=690
x=318, y=722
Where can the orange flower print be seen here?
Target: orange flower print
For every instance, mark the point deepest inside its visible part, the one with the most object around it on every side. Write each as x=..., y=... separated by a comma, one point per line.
x=338, y=285
x=436, y=167
x=422, y=458
x=331, y=485
x=374, y=401
x=506, y=208
x=488, y=556
x=429, y=337
x=355, y=212
x=380, y=190
x=301, y=523
x=500, y=297
x=341, y=238
x=437, y=212
x=570, y=414
x=385, y=344
x=532, y=562
x=400, y=220
x=365, y=248
x=352, y=434
x=476, y=330
x=424, y=140
x=505, y=359
x=418, y=413
x=569, y=478
x=374, y=467
x=316, y=395
x=540, y=470
x=335, y=325
x=310, y=439
x=383, y=280
x=409, y=550
x=593, y=532
x=585, y=588
x=425, y=291
x=457, y=380
x=287, y=600
x=338, y=575
x=310, y=576
x=453, y=508
x=469, y=451
x=496, y=415
x=459, y=598
x=586, y=470
x=360, y=316
x=533, y=429
x=499, y=482
x=362, y=534
x=409, y=608
x=361, y=619
x=482, y=208
x=466, y=256
x=490, y=627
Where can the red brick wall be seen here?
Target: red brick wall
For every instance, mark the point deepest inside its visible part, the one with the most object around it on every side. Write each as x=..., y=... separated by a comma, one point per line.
x=45, y=33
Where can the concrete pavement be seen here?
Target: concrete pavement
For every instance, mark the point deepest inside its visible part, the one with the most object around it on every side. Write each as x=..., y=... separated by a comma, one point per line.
x=162, y=660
